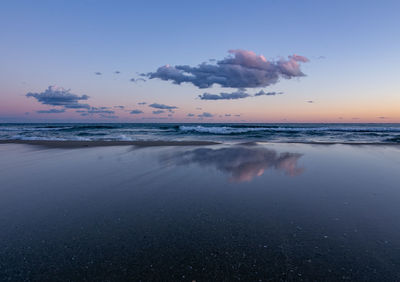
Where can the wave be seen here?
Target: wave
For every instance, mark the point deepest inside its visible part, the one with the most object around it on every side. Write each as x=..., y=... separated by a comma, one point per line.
x=32, y=128
x=394, y=139
x=369, y=133
x=219, y=129
x=238, y=130
x=36, y=138
x=89, y=127
x=70, y=138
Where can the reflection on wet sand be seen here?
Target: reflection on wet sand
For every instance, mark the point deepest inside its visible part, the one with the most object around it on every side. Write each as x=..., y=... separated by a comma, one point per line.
x=242, y=163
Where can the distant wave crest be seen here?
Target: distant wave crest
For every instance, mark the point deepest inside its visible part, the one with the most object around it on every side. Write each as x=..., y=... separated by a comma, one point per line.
x=239, y=130
x=317, y=133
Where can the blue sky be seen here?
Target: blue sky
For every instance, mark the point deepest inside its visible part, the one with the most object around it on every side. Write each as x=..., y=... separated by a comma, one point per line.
x=352, y=47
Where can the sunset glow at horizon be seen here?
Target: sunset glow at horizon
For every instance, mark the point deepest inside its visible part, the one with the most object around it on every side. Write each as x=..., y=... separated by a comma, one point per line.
x=128, y=62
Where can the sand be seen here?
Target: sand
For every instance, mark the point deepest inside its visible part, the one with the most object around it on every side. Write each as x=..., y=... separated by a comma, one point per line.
x=281, y=212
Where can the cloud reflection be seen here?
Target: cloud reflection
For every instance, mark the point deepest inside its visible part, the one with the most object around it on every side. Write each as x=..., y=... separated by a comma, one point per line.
x=242, y=163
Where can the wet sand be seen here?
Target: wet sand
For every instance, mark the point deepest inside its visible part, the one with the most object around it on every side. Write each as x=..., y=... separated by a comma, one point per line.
x=80, y=144
x=280, y=212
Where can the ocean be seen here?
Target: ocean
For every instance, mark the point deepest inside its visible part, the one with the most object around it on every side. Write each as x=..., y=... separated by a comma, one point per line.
x=221, y=132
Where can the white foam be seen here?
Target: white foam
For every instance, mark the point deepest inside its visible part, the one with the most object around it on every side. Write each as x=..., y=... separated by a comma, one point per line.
x=220, y=129
x=34, y=138
x=32, y=128
x=231, y=130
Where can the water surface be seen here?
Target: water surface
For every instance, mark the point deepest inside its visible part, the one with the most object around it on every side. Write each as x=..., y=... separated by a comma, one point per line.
x=222, y=213
x=220, y=132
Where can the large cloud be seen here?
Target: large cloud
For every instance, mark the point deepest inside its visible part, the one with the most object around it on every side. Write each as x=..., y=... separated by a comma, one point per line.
x=60, y=97
x=243, y=69
x=242, y=163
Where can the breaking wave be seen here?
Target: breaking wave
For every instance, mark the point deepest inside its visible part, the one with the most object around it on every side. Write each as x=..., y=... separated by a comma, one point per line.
x=239, y=130
x=328, y=133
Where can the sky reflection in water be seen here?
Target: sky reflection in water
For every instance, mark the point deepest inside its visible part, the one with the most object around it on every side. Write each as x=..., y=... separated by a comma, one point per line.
x=242, y=163
x=161, y=213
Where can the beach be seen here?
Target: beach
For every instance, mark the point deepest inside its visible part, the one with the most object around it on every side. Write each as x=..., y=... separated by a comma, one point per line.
x=199, y=141
x=199, y=212
x=81, y=144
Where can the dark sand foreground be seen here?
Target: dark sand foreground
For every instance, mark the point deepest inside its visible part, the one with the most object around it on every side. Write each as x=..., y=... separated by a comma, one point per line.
x=276, y=212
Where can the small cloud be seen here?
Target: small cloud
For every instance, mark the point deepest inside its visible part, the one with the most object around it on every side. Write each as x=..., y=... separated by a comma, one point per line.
x=51, y=111
x=227, y=115
x=162, y=106
x=205, y=115
x=136, y=112
x=119, y=107
x=101, y=110
x=199, y=109
x=158, y=112
x=117, y=72
x=108, y=116
x=137, y=79
x=262, y=93
x=299, y=58
x=382, y=117
x=58, y=96
x=158, y=118
x=142, y=103
x=190, y=115
x=239, y=94
x=77, y=106
x=224, y=96
x=238, y=115
x=310, y=102
x=98, y=73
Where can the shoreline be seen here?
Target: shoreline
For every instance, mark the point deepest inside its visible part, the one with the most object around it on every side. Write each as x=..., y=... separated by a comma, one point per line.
x=85, y=144
x=160, y=143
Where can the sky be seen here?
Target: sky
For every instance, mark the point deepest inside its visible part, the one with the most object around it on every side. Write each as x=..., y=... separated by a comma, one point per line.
x=199, y=61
